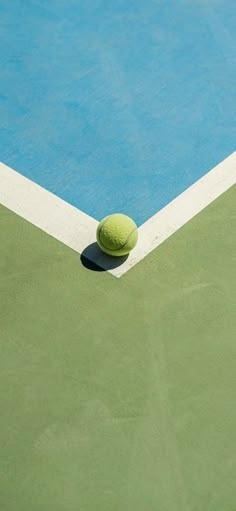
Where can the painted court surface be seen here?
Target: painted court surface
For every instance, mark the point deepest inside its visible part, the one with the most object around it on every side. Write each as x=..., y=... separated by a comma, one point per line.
x=117, y=394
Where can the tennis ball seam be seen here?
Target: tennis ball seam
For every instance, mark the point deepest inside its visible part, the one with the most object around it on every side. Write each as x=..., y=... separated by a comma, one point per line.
x=122, y=246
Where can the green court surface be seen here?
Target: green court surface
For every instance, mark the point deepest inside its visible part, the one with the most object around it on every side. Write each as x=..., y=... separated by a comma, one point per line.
x=119, y=394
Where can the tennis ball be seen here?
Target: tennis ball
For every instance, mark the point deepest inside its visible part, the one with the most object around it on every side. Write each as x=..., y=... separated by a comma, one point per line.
x=117, y=235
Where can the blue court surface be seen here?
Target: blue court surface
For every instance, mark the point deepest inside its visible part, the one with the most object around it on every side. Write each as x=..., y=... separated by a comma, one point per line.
x=117, y=106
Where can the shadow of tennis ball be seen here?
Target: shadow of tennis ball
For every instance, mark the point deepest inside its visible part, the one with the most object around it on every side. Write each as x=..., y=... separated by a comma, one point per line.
x=94, y=259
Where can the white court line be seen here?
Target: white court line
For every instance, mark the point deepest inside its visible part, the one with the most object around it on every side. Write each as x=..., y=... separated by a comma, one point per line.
x=78, y=230
x=45, y=210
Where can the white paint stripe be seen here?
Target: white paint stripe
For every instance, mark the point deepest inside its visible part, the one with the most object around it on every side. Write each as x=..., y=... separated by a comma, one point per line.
x=78, y=230
x=46, y=210
x=178, y=212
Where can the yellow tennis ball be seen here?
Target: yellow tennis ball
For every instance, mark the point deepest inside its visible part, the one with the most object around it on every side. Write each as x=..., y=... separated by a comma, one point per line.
x=117, y=235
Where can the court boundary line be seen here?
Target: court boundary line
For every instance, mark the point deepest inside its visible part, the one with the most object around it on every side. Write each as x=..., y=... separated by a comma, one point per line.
x=77, y=230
